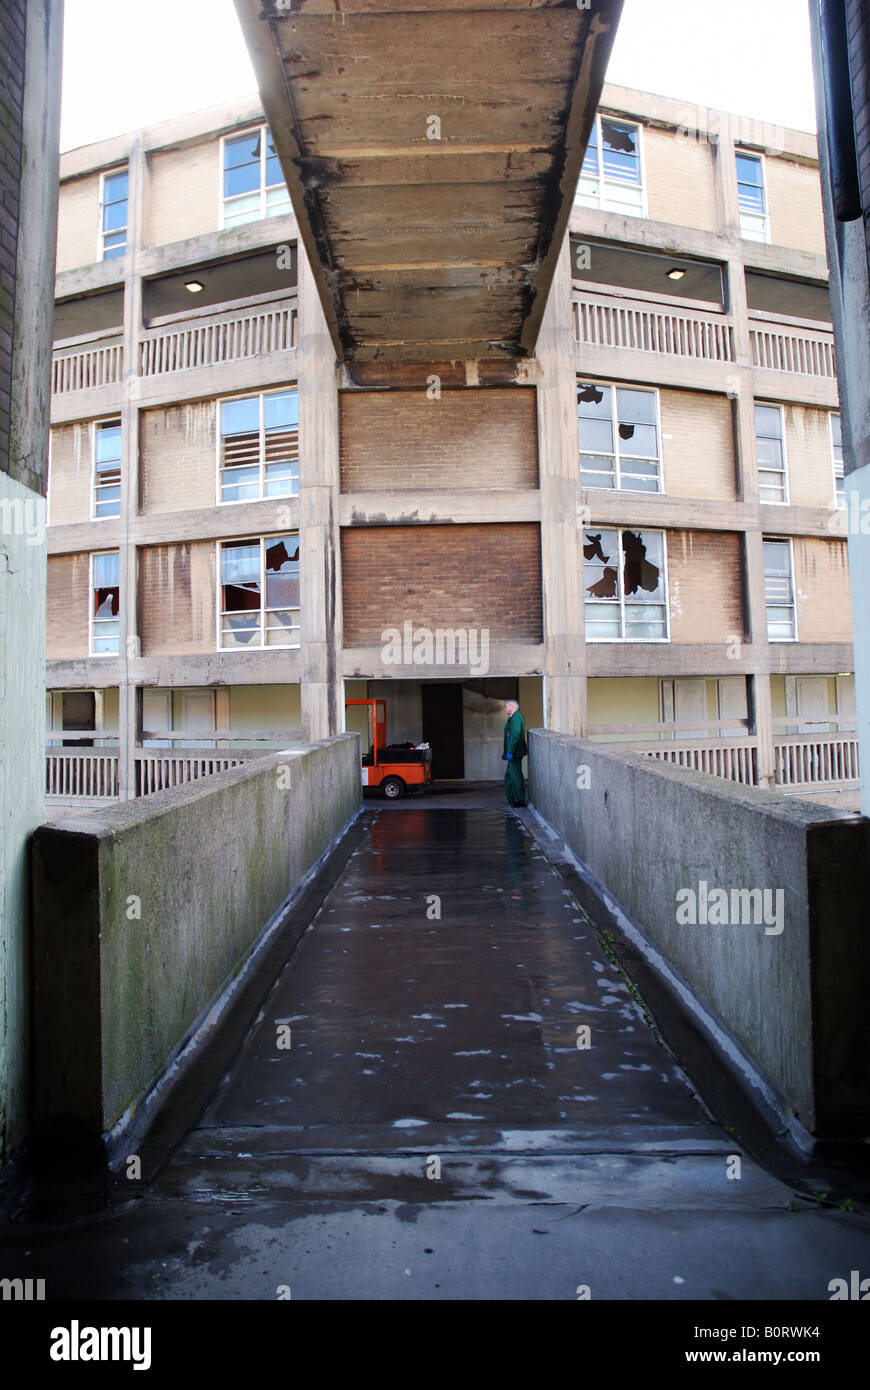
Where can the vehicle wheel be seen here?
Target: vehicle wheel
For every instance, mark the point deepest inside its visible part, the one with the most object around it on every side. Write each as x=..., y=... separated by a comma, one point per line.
x=393, y=788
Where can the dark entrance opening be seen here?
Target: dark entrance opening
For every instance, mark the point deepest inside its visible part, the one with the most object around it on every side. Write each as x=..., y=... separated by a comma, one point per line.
x=79, y=712
x=442, y=729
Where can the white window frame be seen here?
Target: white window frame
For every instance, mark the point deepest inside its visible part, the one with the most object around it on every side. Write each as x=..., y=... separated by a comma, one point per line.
x=784, y=501
x=259, y=646
x=261, y=494
x=605, y=182
x=782, y=540
x=94, y=655
x=95, y=485
x=101, y=245
x=642, y=531
x=618, y=487
x=839, y=497
x=232, y=135
x=741, y=212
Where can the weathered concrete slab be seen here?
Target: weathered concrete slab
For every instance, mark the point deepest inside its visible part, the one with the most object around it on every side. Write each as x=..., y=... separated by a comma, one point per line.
x=425, y=146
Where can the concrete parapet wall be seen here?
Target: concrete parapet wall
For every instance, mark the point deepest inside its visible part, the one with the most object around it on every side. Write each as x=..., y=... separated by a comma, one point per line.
x=144, y=912
x=792, y=988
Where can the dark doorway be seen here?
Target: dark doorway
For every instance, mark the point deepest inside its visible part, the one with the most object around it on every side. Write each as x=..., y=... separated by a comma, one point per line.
x=79, y=711
x=442, y=729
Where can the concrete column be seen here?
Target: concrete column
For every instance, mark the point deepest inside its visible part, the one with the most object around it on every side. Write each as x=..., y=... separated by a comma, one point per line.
x=562, y=517
x=319, y=553
x=131, y=645
x=30, y=52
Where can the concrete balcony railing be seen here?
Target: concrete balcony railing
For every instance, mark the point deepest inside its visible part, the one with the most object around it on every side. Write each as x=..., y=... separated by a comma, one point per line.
x=823, y=760
x=81, y=774
x=802, y=350
x=157, y=772
x=210, y=339
x=84, y=364
x=816, y=760
x=643, y=326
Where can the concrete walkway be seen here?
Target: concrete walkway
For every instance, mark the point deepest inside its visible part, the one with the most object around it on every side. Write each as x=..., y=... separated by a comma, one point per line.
x=412, y=1117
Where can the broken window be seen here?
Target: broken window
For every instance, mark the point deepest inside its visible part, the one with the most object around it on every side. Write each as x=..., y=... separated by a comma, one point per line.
x=253, y=184
x=107, y=468
x=260, y=593
x=751, y=197
x=619, y=438
x=259, y=446
x=624, y=579
x=779, y=590
x=770, y=453
x=837, y=459
x=113, y=214
x=611, y=177
x=105, y=604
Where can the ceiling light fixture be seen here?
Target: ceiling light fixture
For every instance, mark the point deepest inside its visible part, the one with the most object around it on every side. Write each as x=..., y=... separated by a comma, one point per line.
x=676, y=273
x=194, y=286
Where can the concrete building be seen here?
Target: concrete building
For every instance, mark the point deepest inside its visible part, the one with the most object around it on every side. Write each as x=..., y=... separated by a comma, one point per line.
x=30, y=56
x=841, y=41
x=269, y=493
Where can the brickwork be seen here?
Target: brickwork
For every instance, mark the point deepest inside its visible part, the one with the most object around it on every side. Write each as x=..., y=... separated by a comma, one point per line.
x=808, y=449
x=177, y=598
x=442, y=576
x=821, y=575
x=71, y=475
x=697, y=445
x=466, y=439
x=177, y=460
x=705, y=586
x=679, y=180
x=12, y=22
x=78, y=222
x=67, y=606
x=795, y=201
x=184, y=192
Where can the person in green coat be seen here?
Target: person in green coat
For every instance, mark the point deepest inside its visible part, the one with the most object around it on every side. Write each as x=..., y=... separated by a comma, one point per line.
x=515, y=749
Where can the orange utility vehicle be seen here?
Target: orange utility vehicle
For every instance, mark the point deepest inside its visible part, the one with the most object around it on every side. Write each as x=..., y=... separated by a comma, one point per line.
x=396, y=771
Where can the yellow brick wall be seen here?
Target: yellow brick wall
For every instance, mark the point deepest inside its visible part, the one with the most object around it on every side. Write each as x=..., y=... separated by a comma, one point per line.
x=70, y=475
x=808, y=449
x=177, y=458
x=183, y=194
x=67, y=602
x=795, y=204
x=705, y=586
x=679, y=180
x=821, y=571
x=78, y=222
x=177, y=598
x=697, y=445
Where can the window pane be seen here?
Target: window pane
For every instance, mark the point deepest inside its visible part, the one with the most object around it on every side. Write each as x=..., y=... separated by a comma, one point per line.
x=636, y=407
x=595, y=436
x=240, y=417
x=106, y=570
x=600, y=572
x=837, y=431
x=281, y=409
x=240, y=562
x=115, y=187
x=619, y=152
x=108, y=442
x=242, y=164
x=642, y=565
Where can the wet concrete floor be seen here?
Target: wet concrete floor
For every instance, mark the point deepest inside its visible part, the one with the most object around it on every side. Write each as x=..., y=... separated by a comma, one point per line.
x=450, y=1092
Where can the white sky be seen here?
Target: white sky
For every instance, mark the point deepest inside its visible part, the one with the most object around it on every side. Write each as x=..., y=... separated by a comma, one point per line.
x=130, y=63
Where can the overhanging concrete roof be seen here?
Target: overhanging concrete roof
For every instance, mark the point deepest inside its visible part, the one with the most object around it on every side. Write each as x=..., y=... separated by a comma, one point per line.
x=432, y=153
